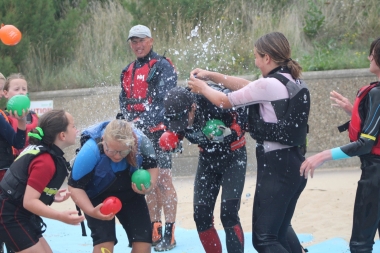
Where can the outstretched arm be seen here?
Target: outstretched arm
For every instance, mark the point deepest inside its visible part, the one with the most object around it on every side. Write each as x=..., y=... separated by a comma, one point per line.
x=313, y=162
x=81, y=199
x=218, y=98
x=32, y=203
x=230, y=82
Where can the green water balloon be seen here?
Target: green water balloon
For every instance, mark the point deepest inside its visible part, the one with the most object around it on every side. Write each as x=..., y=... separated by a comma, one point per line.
x=18, y=103
x=211, y=128
x=141, y=176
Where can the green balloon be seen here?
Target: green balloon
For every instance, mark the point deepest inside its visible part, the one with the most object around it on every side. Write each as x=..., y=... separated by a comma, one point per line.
x=18, y=103
x=141, y=176
x=211, y=128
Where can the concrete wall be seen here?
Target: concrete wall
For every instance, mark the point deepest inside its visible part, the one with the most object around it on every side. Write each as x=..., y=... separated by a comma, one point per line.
x=89, y=106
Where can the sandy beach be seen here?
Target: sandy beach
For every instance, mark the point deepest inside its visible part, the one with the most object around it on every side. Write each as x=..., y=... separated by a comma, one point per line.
x=324, y=209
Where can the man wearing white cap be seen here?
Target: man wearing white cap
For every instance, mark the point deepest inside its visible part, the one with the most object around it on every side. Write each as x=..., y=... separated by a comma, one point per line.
x=144, y=84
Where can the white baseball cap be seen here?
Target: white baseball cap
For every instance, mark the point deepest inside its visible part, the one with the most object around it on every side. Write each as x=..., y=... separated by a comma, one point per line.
x=140, y=31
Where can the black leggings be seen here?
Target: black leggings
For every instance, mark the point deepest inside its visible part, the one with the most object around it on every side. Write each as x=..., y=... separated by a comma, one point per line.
x=367, y=207
x=214, y=171
x=278, y=188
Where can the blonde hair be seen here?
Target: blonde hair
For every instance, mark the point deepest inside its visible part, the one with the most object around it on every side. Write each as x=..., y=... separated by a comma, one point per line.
x=12, y=77
x=121, y=131
x=2, y=77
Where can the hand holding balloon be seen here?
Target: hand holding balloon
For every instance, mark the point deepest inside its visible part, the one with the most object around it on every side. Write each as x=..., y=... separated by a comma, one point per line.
x=111, y=205
x=19, y=104
x=141, y=177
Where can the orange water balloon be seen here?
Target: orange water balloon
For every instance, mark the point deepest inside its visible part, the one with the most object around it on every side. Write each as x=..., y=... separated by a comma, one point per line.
x=10, y=35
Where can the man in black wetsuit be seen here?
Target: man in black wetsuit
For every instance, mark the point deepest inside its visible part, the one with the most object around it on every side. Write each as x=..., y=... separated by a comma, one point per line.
x=222, y=163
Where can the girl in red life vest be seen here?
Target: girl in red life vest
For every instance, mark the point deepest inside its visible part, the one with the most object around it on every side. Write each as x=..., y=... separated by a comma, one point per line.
x=17, y=85
x=32, y=184
x=364, y=134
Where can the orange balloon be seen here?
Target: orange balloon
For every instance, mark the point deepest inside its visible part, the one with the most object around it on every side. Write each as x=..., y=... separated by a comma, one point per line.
x=10, y=35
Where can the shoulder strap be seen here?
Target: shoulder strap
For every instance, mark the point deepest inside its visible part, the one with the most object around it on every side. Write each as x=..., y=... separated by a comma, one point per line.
x=280, y=77
x=5, y=115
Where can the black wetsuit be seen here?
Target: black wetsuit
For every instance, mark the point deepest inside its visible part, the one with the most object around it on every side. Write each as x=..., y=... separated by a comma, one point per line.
x=367, y=202
x=218, y=166
x=279, y=183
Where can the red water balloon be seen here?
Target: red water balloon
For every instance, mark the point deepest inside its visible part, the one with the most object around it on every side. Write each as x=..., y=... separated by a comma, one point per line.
x=168, y=141
x=10, y=35
x=111, y=205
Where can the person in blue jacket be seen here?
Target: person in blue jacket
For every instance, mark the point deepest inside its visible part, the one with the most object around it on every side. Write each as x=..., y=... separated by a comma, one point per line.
x=103, y=168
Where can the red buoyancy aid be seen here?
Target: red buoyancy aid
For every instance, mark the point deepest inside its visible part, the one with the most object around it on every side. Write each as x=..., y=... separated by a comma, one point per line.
x=33, y=123
x=240, y=142
x=355, y=126
x=136, y=86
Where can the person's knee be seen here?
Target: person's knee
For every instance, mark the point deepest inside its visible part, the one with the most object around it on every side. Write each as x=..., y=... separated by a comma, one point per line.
x=261, y=241
x=229, y=212
x=203, y=217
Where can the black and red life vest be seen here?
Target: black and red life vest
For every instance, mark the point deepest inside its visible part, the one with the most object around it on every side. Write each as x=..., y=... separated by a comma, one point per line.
x=355, y=125
x=15, y=180
x=136, y=83
x=136, y=86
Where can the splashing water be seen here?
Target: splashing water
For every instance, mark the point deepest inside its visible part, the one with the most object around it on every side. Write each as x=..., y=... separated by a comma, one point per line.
x=194, y=32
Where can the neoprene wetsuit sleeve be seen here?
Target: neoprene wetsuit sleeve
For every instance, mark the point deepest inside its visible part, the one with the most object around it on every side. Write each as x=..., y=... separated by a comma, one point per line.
x=337, y=154
x=148, y=153
x=15, y=139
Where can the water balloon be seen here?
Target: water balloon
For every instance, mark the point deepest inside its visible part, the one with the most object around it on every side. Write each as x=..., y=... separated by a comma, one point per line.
x=168, y=141
x=18, y=103
x=141, y=176
x=10, y=35
x=212, y=128
x=111, y=205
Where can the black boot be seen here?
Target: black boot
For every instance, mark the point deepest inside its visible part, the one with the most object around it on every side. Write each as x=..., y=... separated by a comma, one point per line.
x=168, y=242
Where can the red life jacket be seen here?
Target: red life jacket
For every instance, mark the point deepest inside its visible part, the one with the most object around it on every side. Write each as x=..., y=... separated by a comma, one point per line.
x=32, y=122
x=355, y=126
x=136, y=86
x=240, y=142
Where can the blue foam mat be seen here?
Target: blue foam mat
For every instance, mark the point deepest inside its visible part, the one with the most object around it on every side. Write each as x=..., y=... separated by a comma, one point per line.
x=64, y=238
